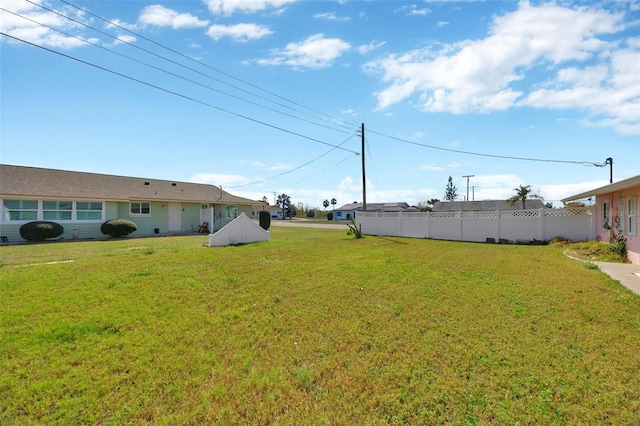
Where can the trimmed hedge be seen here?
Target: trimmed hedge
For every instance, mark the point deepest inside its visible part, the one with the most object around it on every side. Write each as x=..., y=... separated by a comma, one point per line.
x=118, y=227
x=264, y=219
x=40, y=230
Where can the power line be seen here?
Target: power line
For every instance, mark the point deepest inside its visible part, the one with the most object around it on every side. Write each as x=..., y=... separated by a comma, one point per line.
x=506, y=157
x=296, y=168
x=114, y=24
x=154, y=86
x=171, y=61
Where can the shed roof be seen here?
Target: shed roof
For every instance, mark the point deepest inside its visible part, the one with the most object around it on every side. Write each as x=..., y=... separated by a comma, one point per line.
x=617, y=186
x=36, y=182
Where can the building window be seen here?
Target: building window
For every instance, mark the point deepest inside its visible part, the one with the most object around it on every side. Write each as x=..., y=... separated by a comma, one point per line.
x=20, y=209
x=232, y=212
x=632, y=216
x=57, y=210
x=606, y=212
x=621, y=219
x=140, y=209
x=86, y=210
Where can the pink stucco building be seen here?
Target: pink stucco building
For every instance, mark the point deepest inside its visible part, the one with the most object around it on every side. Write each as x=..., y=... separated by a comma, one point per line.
x=617, y=212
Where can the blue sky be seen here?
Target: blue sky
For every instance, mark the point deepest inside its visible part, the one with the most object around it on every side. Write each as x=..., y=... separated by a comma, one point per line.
x=268, y=96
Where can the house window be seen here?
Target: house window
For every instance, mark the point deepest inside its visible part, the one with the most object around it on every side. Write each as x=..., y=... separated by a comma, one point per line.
x=632, y=216
x=140, y=209
x=20, y=209
x=606, y=212
x=88, y=210
x=232, y=212
x=621, y=219
x=56, y=210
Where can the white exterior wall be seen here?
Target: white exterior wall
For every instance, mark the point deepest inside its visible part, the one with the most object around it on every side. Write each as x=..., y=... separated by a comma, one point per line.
x=577, y=224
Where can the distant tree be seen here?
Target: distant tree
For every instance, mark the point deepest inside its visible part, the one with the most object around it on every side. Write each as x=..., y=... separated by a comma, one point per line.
x=522, y=193
x=284, y=202
x=427, y=206
x=451, y=192
x=325, y=203
x=334, y=202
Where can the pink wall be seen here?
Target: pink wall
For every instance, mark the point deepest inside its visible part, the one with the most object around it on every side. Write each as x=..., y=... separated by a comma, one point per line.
x=613, y=198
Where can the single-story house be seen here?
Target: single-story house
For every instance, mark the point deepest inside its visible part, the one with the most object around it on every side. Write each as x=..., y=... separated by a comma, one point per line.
x=81, y=202
x=489, y=205
x=617, y=211
x=349, y=211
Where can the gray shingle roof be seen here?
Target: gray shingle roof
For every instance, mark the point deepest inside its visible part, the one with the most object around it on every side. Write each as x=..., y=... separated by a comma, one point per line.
x=21, y=181
x=379, y=207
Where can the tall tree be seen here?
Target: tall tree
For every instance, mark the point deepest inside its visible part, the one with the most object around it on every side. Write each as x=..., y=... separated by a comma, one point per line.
x=522, y=193
x=325, y=203
x=451, y=192
x=284, y=201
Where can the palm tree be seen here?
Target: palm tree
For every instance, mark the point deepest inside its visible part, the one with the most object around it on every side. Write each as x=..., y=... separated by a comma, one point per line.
x=333, y=203
x=522, y=193
x=325, y=203
x=284, y=201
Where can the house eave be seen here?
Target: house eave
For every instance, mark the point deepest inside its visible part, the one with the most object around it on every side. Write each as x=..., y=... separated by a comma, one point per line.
x=612, y=187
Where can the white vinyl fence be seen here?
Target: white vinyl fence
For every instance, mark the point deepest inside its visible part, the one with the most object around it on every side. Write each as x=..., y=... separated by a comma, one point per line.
x=576, y=224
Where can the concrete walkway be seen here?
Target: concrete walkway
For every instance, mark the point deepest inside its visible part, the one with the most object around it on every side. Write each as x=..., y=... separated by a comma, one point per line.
x=626, y=273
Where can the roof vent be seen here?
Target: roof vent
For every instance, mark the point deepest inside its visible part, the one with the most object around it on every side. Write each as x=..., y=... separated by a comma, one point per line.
x=146, y=183
x=173, y=184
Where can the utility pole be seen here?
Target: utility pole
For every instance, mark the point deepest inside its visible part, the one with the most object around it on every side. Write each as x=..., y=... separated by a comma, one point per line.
x=364, y=179
x=609, y=161
x=473, y=192
x=468, y=176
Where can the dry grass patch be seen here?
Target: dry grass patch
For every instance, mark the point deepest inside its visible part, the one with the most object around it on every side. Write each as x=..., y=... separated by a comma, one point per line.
x=314, y=327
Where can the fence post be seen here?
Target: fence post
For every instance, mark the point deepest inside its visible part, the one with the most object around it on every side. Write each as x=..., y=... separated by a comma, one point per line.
x=460, y=225
x=541, y=221
x=428, y=225
x=498, y=226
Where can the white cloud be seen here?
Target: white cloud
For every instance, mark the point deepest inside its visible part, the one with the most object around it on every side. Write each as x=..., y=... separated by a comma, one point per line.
x=414, y=10
x=314, y=52
x=368, y=48
x=331, y=16
x=124, y=38
x=163, y=17
x=592, y=74
x=347, y=184
x=217, y=179
x=239, y=32
x=228, y=7
x=38, y=34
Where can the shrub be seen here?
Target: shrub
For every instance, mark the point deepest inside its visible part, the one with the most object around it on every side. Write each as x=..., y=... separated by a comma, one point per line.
x=264, y=218
x=329, y=216
x=118, y=227
x=40, y=230
x=355, y=230
x=618, y=245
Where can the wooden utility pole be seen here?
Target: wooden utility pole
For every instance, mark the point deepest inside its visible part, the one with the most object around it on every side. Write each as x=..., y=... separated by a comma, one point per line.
x=468, y=176
x=364, y=179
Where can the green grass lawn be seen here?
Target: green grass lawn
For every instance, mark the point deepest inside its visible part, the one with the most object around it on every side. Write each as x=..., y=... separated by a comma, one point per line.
x=314, y=327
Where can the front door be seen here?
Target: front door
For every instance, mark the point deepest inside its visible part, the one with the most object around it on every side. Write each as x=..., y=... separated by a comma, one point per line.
x=175, y=217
